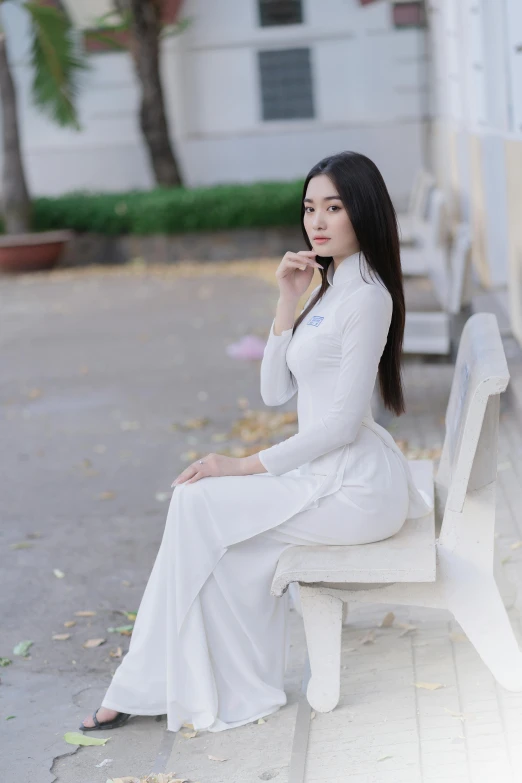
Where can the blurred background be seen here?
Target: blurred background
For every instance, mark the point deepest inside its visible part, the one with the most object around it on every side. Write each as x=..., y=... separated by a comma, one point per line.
x=120, y=96
x=153, y=155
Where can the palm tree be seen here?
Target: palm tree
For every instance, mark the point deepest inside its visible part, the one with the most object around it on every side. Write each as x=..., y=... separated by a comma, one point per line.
x=56, y=65
x=143, y=24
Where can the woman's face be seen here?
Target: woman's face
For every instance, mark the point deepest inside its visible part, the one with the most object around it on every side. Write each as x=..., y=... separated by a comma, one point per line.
x=325, y=215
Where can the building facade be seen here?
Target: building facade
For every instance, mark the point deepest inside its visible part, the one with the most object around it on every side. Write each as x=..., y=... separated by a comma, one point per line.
x=255, y=90
x=476, y=78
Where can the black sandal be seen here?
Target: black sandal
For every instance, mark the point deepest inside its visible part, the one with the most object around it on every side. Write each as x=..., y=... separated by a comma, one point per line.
x=119, y=720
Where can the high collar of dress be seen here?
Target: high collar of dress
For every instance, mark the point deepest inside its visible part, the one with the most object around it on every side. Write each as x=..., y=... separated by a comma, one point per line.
x=348, y=269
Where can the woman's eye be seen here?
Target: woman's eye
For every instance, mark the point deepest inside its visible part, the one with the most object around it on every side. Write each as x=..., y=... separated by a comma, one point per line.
x=334, y=206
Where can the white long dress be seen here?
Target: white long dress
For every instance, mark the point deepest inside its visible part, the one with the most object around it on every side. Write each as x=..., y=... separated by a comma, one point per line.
x=210, y=643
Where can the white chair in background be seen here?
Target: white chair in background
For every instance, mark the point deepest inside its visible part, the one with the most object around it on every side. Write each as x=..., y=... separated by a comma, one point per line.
x=417, y=208
x=431, y=238
x=450, y=275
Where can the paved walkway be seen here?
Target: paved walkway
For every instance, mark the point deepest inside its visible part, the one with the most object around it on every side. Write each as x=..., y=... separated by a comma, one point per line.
x=99, y=369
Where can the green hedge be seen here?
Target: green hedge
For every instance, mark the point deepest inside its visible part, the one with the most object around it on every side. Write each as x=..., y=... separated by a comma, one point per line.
x=172, y=210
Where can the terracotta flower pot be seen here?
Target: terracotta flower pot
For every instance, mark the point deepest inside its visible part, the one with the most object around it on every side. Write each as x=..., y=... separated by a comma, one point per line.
x=32, y=252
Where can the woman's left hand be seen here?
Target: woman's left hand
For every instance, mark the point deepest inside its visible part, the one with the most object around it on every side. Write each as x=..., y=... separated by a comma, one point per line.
x=213, y=465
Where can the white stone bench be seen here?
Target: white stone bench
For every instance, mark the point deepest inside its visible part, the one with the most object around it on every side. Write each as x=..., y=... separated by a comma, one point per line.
x=417, y=208
x=458, y=571
x=450, y=276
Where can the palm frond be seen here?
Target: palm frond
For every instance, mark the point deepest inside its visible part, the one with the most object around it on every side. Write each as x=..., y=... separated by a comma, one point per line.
x=170, y=30
x=113, y=20
x=56, y=64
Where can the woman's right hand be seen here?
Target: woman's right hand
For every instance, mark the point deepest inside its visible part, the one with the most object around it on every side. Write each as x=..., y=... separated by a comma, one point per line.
x=295, y=272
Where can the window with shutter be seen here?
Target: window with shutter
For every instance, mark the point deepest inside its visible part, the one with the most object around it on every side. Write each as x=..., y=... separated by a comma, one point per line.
x=277, y=12
x=286, y=84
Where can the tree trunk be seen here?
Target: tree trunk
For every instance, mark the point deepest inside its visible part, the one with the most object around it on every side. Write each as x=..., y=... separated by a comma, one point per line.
x=146, y=27
x=15, y=196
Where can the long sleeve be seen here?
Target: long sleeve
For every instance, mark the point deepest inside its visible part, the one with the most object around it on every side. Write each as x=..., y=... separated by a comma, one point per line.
x=366, y=317
x=278, y=385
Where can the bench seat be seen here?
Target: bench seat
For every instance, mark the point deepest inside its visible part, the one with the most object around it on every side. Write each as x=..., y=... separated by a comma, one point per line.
x=408, y=556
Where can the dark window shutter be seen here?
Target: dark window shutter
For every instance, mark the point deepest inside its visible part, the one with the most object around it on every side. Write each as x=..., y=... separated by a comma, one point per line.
x=278, y=12
x=286, y=84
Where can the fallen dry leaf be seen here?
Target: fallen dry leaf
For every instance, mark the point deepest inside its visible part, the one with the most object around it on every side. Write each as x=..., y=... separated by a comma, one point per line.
x=429, y=686
x=387, y=620
x=126, y=779
x=261, y=720
x=406, y=628
x=93, y=643
x=124, y=630
x=460, y=715
x=516, y=545
x=368, y=638
x=189, y=734
x=216, y=758
x=61, y=637
x=69, y=623
x=455, y=636
x=86, y=613
x=106, y=495
x=117, y=653
x=190, y=456
x=21, y=545
x=58, y=574
x=219, y=437
x=195, y=424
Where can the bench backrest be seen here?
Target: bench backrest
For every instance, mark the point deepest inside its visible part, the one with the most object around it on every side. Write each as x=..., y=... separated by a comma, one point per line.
x=434, y=228
x=418, y=205
x=469, y=454
x=460, y=269
x=450, y=272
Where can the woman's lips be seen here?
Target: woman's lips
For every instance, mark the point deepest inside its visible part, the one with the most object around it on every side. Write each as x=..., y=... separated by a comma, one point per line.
x=322, y=240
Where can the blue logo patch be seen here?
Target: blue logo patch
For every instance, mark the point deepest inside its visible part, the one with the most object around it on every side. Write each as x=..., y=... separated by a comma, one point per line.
x=315, y=320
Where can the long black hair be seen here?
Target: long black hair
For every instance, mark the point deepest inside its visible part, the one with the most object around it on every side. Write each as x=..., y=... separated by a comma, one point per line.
x=365, y=197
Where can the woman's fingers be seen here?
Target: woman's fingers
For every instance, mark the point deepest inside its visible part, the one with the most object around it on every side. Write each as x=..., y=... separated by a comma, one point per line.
x=309, y=256
x=300, y=265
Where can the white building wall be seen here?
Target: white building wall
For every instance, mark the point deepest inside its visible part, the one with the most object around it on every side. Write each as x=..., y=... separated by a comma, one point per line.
x=370, y=90
x=478, y=108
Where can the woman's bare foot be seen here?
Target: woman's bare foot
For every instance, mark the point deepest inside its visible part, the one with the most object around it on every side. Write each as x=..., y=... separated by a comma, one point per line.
x=104, y=715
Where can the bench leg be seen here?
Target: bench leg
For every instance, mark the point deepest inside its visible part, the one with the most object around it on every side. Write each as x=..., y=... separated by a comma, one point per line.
x=507, y=589
x=475, y=601
x=322, y=617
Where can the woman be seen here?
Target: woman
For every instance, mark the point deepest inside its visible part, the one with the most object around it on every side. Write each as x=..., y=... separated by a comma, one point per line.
x=210, y=643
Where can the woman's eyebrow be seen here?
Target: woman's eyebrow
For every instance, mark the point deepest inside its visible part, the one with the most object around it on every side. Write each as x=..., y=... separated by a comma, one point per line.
x=326, y=198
